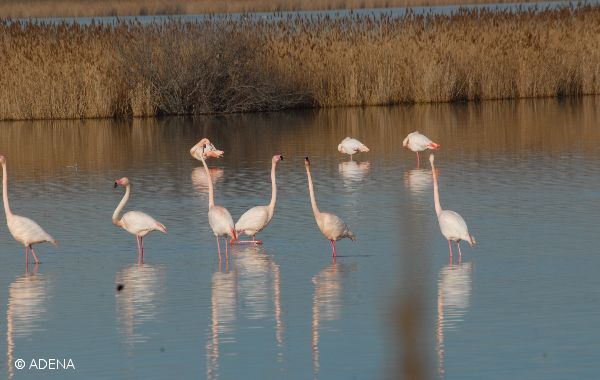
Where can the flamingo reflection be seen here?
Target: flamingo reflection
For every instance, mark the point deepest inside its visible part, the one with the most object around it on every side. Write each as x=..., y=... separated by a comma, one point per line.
x=200, y=179
x=454, y=294
x=418, y=180
x=326, y=306
x=353, y=172
x=254, y=280
x=27, y=297
x=137, y=303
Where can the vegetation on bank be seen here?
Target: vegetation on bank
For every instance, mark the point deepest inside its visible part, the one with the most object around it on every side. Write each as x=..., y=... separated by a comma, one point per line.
x=225, y=65
x=79, y=8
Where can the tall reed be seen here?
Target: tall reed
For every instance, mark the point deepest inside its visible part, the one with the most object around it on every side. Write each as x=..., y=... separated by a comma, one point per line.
x=227, y=65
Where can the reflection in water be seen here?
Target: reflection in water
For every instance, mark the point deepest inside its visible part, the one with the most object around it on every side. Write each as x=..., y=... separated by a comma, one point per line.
x=418, y=180
x=326, y=306
x=255, y=281
x=353, y=172
x=454, y=293
x=138, y=302
x=200, y=180
x=27, y=297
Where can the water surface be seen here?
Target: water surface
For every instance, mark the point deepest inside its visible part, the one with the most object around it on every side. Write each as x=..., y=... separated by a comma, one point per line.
x=523, y=304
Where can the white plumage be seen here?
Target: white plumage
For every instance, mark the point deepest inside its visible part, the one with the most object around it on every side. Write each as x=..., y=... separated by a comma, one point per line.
x=22, y=229
x=258, y=218
x=452, y=225
x=204, y=148
x=417, y=142
x=351, y=146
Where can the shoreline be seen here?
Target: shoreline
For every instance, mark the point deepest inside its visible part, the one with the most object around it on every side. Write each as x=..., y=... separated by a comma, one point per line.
x=60, y=71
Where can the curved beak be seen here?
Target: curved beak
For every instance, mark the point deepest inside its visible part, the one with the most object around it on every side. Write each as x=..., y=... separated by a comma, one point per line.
x=116, y=184
x=281, y=157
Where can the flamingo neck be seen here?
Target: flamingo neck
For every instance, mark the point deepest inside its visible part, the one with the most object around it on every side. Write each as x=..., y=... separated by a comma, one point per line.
x=273, y=190
x=115, y=217
x=436, y=192
x=313, y=201
x=211, y=195
x=5, y=192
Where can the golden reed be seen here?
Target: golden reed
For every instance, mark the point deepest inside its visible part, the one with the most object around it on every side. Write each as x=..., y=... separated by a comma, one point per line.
x=227, y=65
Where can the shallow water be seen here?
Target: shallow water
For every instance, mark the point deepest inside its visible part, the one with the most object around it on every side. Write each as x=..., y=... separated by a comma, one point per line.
x=523, y=304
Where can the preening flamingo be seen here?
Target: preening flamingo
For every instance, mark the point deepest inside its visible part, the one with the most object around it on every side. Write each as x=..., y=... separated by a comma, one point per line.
x=330, y=225
x=351, y=146
x=23, y=230
x=219, y=218
x=419, y=143
x=205, y=148
x=452, y=225
x=257, y=218
x=135, y=222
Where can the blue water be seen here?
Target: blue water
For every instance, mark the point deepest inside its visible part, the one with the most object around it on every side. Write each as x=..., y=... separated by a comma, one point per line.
x=523, y=304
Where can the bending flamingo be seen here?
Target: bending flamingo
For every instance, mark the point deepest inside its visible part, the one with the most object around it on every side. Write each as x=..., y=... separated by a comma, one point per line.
x=419, y=143
x=351, y=146
x=23, y=230
x=207, y=147
x=452, y=225
x=219, y=218
x=135, y=222
x=257, y=218
x=330, y=225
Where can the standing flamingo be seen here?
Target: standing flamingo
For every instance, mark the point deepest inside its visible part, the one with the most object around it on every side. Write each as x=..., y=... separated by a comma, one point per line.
x=351, y=146
x=257, y=218
x=418, y=143
x=452, y=225
x=205, y=146
x=330, y=225
x=219, y=218
x=135, y=222
x=23, y=230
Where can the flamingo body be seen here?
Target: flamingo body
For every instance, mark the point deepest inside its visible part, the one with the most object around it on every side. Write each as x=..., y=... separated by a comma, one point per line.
x=220, y=221
x=258, y=218
x=417, y=142
x=140, y=224
x=351, y=146
x=26, y=231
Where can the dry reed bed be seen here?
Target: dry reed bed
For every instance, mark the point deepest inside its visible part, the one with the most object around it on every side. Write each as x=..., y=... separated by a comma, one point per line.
x=223, y=65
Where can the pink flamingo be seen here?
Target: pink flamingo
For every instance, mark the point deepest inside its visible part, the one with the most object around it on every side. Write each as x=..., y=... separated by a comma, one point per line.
x=23, y=230
x=135, y=222
x=419, y=143
x=330, y=225
x=258, y=218
x=205, y=146
x=219, y=218
x=452, y=225
x=351, y=146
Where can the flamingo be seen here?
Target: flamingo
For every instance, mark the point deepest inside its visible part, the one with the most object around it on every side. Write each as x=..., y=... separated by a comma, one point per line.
x=135, y=222
x=257, y=218
x=23, y=230
x=209, y=150
x=330, y=225
x=452, y=225
x=351, y=146
x=219, y=218
x=418, y=143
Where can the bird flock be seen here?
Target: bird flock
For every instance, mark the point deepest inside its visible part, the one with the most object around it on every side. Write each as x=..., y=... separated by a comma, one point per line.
x=452, y=226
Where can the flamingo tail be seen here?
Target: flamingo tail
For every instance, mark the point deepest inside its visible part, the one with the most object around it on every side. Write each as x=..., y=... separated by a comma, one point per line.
x=161, y=227
x=363, y=148
x=434, y=146
x=472, y=241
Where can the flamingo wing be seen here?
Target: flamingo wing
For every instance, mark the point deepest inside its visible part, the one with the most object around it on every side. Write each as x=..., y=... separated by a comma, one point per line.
x=419, y=142
x=28, y=232
x=254, y=220
x=334, y=228
x=220, y=221
x=453, y=226
x=139, y=223
x=352, y=146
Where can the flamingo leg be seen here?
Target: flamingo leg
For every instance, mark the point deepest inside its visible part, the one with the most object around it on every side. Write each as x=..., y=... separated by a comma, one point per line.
x=418, y=160
x=450, y=247
x=351, y=157
x=459, y=251
x=219, y=248
x=333, y=250
x=26, y=258
x=34, y=256
x=142, y=244
x=226, y=249
x=137, y=240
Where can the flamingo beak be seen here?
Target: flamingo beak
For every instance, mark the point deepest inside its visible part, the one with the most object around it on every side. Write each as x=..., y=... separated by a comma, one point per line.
x=281, y=158
x=116, y=184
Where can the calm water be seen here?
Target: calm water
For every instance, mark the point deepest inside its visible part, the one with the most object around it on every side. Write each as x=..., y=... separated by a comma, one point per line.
x=523, y=304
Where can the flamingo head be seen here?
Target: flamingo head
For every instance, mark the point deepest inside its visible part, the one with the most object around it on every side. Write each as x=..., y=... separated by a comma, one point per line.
x=122, y=182
x=340, y=149
x=405, y=142
x=277, y=157
x=2, y=160
x=306, y=161
x=206, y=148
x=431, y=158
